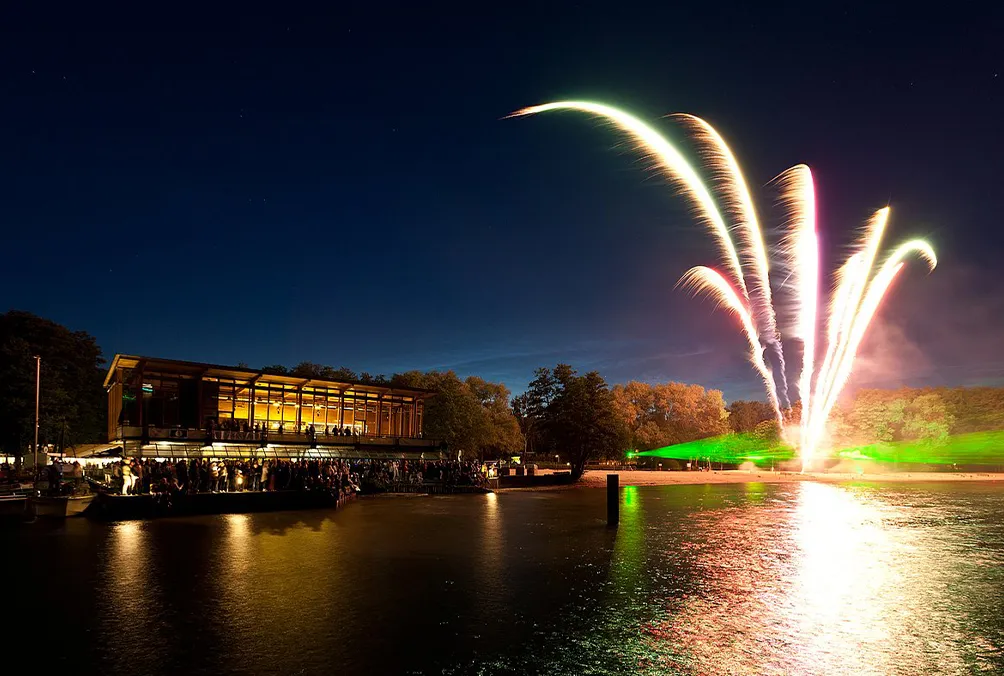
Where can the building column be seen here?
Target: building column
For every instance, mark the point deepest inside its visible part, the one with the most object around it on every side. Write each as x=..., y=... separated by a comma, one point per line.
x=250, y=389
x=201, y=420
x=141, y=401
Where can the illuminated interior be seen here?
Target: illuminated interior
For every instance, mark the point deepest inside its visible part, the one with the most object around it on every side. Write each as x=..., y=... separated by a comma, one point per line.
x=165, y=394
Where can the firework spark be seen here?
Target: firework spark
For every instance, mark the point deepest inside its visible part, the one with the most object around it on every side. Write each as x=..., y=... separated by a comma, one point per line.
x=678, y=169
x=704, y=279
x=859, y=290
x=801, y=252
x=671, y=161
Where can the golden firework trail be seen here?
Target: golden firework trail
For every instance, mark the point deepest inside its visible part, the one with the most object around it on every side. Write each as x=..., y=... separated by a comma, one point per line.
x=671, y=161
x=800, y=248
x=736, y=195
x=702, y=279
x=859, y=290
x=877, y=288
x=675, y=165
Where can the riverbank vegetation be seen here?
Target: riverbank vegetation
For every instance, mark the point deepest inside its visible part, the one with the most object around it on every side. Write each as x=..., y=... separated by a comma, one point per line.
x=562, y=412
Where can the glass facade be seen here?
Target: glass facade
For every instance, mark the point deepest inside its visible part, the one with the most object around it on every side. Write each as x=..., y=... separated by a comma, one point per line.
x=168, y=394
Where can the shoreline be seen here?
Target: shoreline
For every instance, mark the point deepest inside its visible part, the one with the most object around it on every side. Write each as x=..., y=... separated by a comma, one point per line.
x=597, y=478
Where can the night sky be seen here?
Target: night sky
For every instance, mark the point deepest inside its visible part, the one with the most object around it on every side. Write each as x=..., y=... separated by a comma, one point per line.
x=341, y=187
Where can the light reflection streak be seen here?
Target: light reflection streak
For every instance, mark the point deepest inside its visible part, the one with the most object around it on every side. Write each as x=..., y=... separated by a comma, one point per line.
x=628, y=557
x=239, y=590
x=494, y=591
x=844, y=571
x=132, y=592
x=835, y=580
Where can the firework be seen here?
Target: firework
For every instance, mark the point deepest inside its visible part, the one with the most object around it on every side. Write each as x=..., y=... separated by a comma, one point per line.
x=858, y=293
x=706, y=280
x=676, y=167
x=801, y=253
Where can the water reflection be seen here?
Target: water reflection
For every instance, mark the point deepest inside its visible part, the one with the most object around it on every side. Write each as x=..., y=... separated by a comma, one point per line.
x=835, y=581
x=753, y=579
x=629, y=545
x=848, y=562
x=130, y=591
x=492, y=543
x=238, y=589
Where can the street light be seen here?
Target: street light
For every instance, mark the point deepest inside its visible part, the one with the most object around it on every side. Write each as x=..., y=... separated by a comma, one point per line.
x=38, y=381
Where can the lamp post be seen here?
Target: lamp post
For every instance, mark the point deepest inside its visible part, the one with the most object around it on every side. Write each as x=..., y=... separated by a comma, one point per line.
x=38, y=381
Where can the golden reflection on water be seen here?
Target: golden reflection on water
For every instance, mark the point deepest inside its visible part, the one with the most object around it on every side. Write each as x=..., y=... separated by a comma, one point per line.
x=238, y=543
x=131, y=588
x=495, y=591
x=846, y=569
x=832, y=582
x=129, y=575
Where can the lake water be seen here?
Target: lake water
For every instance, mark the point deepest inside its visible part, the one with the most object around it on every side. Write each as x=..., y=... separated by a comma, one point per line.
x=740, y=579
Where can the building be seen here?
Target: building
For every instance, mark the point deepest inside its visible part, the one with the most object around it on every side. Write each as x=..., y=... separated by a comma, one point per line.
x=165, y=408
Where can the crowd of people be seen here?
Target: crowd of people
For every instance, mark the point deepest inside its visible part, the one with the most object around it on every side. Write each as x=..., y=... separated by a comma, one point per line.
x=133, y=476
x=231, y=429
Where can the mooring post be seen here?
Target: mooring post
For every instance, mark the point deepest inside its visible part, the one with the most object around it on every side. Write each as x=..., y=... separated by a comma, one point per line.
x=613, y=499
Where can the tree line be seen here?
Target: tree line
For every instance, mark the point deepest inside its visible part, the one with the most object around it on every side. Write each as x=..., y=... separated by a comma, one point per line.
x=930, y=414
x=577, y=416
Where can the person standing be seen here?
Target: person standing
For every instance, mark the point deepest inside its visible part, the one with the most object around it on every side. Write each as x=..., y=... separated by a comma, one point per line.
x=137, y=478
x=181, y=474
x=126, y=478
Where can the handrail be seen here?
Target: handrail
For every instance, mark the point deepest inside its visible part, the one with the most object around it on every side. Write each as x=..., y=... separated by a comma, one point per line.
x=182, y=434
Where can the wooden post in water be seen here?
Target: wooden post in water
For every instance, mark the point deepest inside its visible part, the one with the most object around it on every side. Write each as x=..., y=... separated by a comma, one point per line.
x=613, y=499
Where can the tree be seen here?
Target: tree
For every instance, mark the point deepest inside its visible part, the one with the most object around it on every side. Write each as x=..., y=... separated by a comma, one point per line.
x=72, y=406
x=670, y=413
x=453, y=414
x=530, y=406
x=927, y=417
x=744, y=416
x=768, y=432
x=583, y=421
x=904, y=414
x=974, y=409
x=306, y=369
x=341, y=374
x=473, y=416
x=501, y=432
x=576, y=415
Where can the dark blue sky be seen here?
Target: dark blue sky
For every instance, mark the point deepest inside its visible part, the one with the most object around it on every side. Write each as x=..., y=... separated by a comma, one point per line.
x=340, y=187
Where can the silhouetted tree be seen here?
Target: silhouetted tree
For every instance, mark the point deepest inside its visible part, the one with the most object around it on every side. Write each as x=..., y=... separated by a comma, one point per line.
x=581, y=420
x=529, y=409
x=72, y=407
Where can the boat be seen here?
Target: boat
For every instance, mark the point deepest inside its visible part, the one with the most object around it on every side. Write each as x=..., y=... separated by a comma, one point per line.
x=60, y=506
x=13, y=506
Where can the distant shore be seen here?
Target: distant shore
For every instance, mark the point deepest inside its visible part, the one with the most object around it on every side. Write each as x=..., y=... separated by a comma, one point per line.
x=598, y=478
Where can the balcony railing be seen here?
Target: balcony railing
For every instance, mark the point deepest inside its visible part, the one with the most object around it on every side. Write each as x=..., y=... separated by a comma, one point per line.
x=271, y=437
